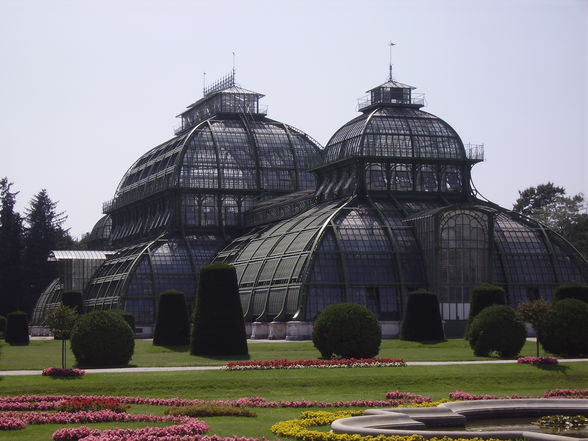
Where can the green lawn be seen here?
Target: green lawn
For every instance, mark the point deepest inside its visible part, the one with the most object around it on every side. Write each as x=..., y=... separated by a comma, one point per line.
x=307, y=384
x=45, y=353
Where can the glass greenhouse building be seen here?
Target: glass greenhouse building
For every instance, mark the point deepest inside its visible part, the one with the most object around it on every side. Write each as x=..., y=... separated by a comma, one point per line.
x=385, y=208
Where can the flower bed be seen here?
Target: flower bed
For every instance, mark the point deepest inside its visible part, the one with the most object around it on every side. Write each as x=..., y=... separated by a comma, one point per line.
x=415, y=398
x=566, y=393
x=301, y=429
x=460, y=395
x=537, y=360
x=191, y=429
x=22, y=410
x=60, y=372
x=93, y=405
x=101, y=416
x=301, y=364
x=54, y=401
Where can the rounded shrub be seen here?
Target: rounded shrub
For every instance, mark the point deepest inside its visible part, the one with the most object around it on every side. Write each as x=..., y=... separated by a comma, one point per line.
x=127, y=317
x=565, y=330
x=17, y=328
x=571, y=290
x=218, y=327
x=347, y=330
x=172, y=326
x=482, y=296
x=422, y=318
x=498, y=329
x=73, y=299
x=102, y=338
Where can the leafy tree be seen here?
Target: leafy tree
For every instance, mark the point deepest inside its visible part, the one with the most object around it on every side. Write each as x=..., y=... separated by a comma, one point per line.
x=44, y=233
x=533, y=199
x=567, y=215
x=10, y=250
x=535, y=312
x=61, y=321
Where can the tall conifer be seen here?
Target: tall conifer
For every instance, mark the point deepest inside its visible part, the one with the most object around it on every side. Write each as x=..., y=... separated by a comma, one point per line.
x=10, y=250
x=43, y=234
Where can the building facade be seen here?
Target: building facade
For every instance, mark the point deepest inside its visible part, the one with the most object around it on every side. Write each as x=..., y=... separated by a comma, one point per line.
x=387, y=207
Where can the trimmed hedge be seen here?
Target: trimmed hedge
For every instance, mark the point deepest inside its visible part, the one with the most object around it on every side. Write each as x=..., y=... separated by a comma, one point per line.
x=17, y=328
x=571, y=290
x=497, y=328
x=347, y=330
x=218, y=327
x=172, y=326
x=73, y=299
x=102, y=338
x=482, y=296
x=2, y=326
x=422, y=318
x=565, y=330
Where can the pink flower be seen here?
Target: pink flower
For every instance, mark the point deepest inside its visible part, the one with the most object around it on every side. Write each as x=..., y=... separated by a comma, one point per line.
x=537, y=360
x=566, y=393
x=61, y=372
x=299, y=364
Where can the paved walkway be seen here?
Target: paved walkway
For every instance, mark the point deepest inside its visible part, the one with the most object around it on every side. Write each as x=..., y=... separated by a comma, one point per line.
x=212, y=368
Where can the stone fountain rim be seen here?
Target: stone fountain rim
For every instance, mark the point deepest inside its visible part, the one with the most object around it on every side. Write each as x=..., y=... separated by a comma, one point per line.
x=415, y=421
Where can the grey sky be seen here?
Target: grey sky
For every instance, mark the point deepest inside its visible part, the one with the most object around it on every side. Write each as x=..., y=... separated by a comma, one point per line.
x=86, y=87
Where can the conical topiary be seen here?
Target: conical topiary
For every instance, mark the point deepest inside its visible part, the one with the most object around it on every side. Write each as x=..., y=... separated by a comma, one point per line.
x=217, y=326
x=172, y=326
x=422, y=318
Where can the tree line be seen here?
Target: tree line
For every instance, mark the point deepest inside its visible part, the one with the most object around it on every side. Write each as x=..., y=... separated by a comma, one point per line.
x=25, y=243
x=550, y=205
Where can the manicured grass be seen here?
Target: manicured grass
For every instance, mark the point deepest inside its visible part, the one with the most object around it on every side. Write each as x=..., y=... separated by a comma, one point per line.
x=303, y=384
x=308, y=384
x=312, y=384
x=45, y=353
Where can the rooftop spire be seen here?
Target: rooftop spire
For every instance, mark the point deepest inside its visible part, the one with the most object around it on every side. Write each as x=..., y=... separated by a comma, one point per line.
x=233, y=64
x=390, y=74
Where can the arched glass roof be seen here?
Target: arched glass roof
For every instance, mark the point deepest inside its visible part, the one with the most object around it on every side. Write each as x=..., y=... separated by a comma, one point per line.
x=395, y=132
x=135, y=276
x=375, y=250
x=227, y=152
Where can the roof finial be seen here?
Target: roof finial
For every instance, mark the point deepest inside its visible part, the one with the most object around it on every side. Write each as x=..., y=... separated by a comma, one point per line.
x=203, y=83
x=390, y=75
x=233, y=64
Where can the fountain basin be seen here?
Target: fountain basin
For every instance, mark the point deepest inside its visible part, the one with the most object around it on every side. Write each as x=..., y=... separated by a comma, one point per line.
x=431, y=421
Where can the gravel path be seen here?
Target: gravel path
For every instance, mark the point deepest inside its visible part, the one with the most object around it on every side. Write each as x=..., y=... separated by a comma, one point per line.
x=212, y=368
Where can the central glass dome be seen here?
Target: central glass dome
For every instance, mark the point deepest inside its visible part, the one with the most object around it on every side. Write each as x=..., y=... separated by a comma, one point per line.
x=180, y=202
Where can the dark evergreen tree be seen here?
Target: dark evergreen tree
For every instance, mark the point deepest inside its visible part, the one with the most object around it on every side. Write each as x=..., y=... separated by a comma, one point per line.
x=217, y=326
x=422, y=318
x=172, y=326
x=73, y=299
x=483, y=296
x=43, y=234
x=17, y=328
x=10, y=250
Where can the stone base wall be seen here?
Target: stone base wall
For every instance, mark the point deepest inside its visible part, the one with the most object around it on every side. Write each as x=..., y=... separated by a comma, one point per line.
x=298, y=331
x=293, y=330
